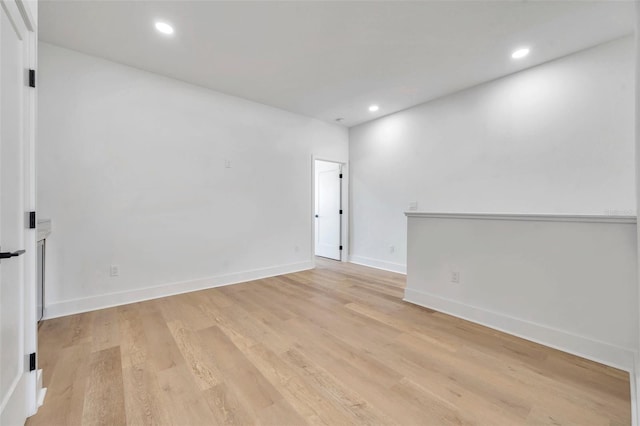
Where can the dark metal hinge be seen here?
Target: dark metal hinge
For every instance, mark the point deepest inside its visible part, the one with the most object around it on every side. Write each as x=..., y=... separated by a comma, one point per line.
x=340, y=211
x=32, y=361
x=340, y=176
x=32, y=220
x=340, y=247
x=32, y=78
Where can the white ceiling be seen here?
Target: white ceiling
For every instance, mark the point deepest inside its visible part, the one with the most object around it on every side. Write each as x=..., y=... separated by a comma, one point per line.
x=333, y=59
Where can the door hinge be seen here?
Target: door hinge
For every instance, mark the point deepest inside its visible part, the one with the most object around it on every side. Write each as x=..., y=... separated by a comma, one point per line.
x=340, y=176
x=32, y=220
x=32, y=361
x=340, y=211
x=340, y=247
x=32, y=78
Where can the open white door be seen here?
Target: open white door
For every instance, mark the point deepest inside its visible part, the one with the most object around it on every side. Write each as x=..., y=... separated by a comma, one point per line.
x=17, y=393
x=328, y=209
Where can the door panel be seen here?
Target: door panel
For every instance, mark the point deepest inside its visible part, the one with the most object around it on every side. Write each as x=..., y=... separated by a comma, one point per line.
x=12, y=227
x=328, y=205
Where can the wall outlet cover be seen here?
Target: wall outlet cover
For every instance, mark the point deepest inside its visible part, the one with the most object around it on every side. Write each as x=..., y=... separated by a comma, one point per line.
x=114, y=270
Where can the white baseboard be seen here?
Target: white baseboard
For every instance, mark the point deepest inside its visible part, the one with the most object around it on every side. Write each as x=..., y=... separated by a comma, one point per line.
x=41, y=392
x=379, y=264
x=12, y=409
x=76, y=306
x=602, y=352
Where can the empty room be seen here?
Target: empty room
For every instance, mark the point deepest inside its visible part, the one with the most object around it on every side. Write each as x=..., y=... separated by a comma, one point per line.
x=319, y=212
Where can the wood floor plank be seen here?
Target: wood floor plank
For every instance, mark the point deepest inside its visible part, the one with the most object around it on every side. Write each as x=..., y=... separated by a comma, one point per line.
x=104, y=400
x=295, y=389
x=133, y=340
x=187, y=308
x=161, y=348
x=220, y=347
x=181, y=394
x=105, y=332
x=80, y=329
x=198, y=359
x=280, y=413
x=144, y=403
x=226, y=407
x=252, y=387
x=350, y=402
x=335, y=345
x=66, y=387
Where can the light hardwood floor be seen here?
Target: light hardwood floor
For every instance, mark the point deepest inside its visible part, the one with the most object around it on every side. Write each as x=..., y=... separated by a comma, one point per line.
x=335, y=345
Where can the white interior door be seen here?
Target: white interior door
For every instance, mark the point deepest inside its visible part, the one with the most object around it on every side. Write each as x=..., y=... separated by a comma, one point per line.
x=13, y=356
x=328, y=205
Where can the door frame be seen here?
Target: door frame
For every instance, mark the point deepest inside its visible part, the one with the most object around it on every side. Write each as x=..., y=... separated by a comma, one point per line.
x=22, y=13
x=35, y=392
x=344, y=202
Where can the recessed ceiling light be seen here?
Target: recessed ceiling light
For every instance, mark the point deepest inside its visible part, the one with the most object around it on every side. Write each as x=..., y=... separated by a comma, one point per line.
x=164, y=28
x=520, y=53
x=374, y=108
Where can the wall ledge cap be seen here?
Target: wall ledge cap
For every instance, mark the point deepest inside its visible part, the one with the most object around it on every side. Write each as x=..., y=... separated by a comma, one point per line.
x=525, y=217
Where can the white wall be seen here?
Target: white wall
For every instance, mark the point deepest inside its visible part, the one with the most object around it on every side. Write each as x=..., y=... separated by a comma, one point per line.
x=557, y=138
x=132, y=173
x=566, y=282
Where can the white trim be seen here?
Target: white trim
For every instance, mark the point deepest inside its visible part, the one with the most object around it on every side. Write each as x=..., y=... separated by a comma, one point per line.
x=585, y=347
x=41, y=391
x=35, y=390
x=92, y=303
x=379, y=264
x=526, y=217
x=43, y=229
x=11, y=412
x=14, y=16
x=25, y=12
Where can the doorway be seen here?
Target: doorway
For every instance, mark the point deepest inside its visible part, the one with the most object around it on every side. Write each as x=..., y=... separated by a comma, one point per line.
x=328, y=209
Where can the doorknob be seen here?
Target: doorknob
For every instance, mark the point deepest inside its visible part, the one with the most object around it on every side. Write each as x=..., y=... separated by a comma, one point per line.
x=317, y=216
x=8, y=254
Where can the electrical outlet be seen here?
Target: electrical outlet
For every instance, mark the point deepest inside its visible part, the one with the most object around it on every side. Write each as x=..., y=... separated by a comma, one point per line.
x=227, y=164
x=296, y=249
x=114, y=270
x=392, y=249
x=413, y=206
x=455, y=277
